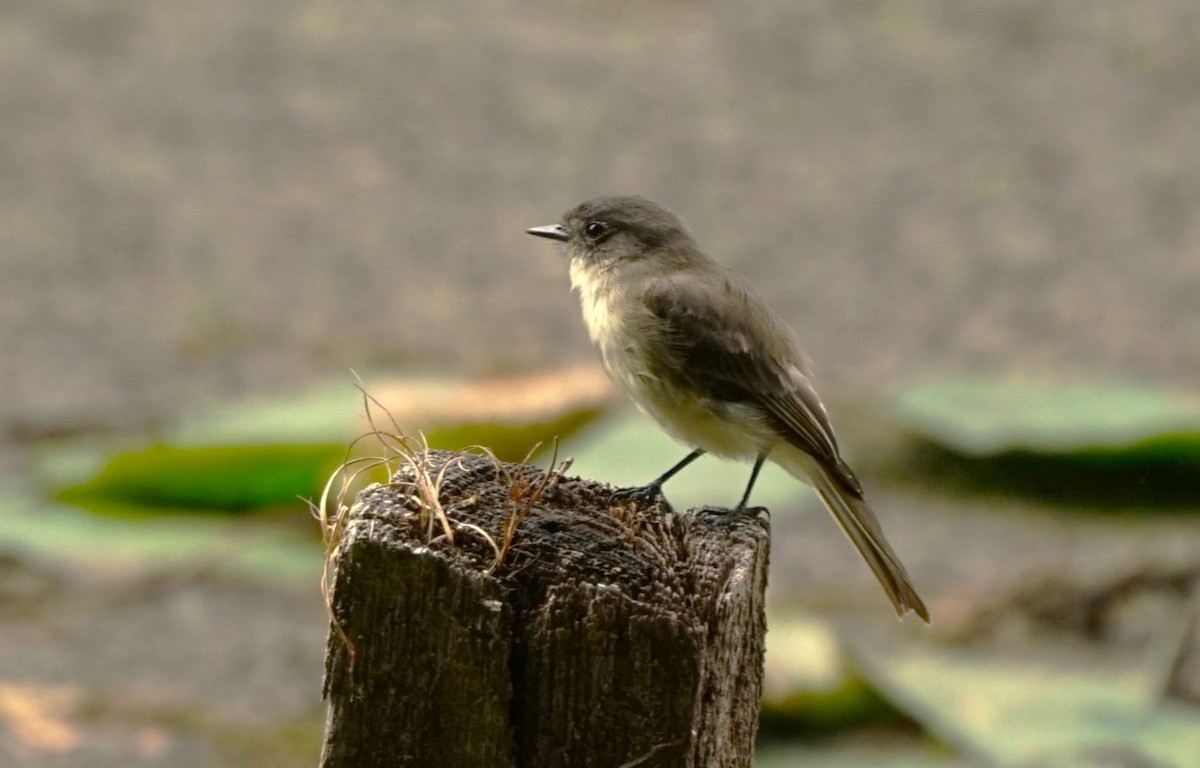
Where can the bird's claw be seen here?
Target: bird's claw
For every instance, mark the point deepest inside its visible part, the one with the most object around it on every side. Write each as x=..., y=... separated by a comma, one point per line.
x=642, y=494
x=729, y=514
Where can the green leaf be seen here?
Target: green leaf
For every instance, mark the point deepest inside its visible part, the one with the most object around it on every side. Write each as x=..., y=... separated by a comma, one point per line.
x=270, y=453
x=213, y=478
x=986, y=417
x=66, y=534
x=1046, y=712
x=511, y=441
x=812, y=686
x=1104, y=446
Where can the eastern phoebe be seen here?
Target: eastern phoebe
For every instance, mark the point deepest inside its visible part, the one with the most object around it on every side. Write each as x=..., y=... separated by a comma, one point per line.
x=711, y=363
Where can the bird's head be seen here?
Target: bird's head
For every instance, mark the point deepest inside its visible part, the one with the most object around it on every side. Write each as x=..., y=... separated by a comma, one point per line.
x=615, y=233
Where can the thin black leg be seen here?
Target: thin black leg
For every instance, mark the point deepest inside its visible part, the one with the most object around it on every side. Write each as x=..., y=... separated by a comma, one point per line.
x=665, y=476
x=741, y=507
x=652, y=491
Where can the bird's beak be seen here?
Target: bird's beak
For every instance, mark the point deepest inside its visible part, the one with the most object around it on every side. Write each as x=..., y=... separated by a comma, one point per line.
x=552, y=231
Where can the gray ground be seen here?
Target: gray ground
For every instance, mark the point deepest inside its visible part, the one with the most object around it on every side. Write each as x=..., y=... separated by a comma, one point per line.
x=205, y=200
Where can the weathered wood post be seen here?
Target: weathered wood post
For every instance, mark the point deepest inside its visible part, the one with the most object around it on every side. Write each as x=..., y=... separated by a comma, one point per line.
x=606, y=636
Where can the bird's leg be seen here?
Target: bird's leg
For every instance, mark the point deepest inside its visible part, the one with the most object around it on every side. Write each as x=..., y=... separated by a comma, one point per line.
x=742, y=509
x=652, y=491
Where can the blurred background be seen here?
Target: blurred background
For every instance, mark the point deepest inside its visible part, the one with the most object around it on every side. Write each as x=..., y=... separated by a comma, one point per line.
x=982, y=220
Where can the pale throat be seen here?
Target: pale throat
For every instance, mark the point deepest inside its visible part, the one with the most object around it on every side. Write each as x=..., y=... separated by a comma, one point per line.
x=596, y=287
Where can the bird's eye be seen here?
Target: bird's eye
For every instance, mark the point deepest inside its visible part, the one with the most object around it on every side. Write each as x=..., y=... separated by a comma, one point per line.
x=595, y=230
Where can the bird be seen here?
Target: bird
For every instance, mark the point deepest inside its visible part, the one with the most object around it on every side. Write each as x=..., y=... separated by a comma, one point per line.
x=698, y=351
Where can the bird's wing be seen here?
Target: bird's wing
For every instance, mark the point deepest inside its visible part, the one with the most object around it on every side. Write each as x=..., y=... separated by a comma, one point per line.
x=717, y=347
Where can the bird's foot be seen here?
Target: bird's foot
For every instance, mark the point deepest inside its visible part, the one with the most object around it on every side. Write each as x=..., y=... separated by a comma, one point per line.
x=726, y=513
x=643, y=494
x=741, y=510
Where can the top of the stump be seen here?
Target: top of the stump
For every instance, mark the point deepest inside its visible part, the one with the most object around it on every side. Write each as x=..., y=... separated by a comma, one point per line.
x=565, y=528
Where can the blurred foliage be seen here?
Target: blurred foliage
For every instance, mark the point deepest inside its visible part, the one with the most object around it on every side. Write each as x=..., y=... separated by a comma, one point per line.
x=1050, y=711
x=513, y=442
x=989, y=416
x=67, y=535
x=805, y=712
x=208, y=478
x=1072, y=442
x=812, y=687
x=269, y=454
x=629, y=449
x=875, y=751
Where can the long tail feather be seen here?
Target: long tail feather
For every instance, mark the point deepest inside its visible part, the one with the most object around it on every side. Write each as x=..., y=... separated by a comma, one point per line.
x=862, y=527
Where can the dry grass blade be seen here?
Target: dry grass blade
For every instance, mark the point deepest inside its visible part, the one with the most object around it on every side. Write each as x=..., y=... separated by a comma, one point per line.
x=410, y=470
x=484, y=534
x=399, y=451
x=523, y=494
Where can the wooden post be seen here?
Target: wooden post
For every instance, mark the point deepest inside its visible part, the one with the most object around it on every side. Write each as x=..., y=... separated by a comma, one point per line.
x=608, y=635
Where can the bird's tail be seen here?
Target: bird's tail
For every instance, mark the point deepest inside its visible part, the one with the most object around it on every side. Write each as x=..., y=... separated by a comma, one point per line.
x=862, y=527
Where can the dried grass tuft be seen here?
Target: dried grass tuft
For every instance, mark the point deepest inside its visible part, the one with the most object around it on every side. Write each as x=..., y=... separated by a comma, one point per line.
x=407, y=463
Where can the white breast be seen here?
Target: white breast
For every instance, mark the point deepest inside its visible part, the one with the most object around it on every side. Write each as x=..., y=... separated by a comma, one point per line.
x=603, y=297
x=598, y=290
